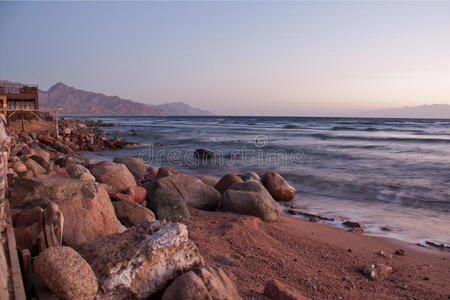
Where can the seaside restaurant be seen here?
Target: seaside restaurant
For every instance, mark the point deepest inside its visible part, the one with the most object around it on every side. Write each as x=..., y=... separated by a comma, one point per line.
x=14, y=96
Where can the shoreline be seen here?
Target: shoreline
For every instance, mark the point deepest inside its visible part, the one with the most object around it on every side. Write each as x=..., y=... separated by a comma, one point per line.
x=315, y=258
x=306, y=256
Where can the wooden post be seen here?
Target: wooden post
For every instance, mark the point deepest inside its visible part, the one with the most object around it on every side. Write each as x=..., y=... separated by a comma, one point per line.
x=27, y=271
x=23, y=127
x=56, y=123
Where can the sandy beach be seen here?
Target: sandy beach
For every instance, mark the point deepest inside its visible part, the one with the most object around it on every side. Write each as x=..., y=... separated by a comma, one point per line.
x=320, y=261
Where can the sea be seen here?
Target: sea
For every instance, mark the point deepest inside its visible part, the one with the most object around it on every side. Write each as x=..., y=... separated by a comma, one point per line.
x=384, y=173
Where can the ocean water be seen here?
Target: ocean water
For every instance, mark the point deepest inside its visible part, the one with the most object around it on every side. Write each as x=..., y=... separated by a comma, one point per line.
x=382, y=172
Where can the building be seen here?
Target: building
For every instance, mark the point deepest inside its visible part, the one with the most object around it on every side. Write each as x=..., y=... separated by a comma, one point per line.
x=16, y=96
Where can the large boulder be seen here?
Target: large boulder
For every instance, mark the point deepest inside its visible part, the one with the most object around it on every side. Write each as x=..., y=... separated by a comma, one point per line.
x=164, y=172
x=35, y=167
x=210, y=180
x=251, y=176
x=278, y=187
x=141, y=261
x=66, y=273
x=130, y=213
x=80, y=172
x=168, y=205
x=135, y=165
x=86, y=207
x=207, y=282
x=251, y=198
x=195, y=193
x=226, y=181
x=114, y=174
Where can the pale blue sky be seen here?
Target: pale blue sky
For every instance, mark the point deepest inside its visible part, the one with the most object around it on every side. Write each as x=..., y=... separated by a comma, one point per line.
x=250, y=58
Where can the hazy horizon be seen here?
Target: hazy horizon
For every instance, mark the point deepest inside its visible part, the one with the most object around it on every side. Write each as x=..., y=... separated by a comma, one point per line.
x=236, y=58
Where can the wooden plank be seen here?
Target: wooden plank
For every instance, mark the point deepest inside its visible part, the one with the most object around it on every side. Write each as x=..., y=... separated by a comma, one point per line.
x=16, y=274
x=27, y=271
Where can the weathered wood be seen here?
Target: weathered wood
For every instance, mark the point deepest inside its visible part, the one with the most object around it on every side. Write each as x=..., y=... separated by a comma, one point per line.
x=53, y=225
x=21, y=115
x=16, y=274
x=56, y=123
x=27, y=271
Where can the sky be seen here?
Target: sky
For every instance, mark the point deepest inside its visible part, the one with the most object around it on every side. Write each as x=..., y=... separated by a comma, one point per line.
x=236, y=58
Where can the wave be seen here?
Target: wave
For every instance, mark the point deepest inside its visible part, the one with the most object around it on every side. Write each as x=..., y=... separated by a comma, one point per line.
x=324, y=136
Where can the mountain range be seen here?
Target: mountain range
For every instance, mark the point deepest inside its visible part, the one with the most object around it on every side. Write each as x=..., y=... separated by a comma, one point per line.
x=436, y=111
x=83, y=103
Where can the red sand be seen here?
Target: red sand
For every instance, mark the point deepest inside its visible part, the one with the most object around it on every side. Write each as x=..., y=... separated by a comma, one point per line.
x=316, y=258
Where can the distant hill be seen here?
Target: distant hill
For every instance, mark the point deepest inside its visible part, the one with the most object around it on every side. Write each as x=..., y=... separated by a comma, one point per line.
x=436, y=111
x=182, y=109
x=79, y=102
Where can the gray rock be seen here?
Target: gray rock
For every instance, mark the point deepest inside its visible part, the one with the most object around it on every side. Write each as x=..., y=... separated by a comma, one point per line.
x=251, y=198
x=141, y=261
x=131, y=214
x=195, y=193
x=135, y=165
x=80, y=172
x=167, y=204
x=251, y=176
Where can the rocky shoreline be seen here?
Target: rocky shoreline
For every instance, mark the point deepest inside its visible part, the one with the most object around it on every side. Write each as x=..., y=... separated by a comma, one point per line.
x=121, y=229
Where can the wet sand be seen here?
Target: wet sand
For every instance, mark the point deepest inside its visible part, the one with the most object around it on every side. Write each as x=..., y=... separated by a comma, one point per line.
x=319, y=260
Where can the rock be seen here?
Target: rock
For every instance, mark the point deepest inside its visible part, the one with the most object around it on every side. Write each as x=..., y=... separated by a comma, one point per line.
x=46, y=138
x=120, y=197
x=151, y=173
x=251, y=176
x=135, y=165
x=64, y=162
x=138, y=193
x=40, y=160
x=80, y=172
x=207, y=282
x=385, y=254
x=204, y=154
x=62, y=148
x=187, y=287
x=167, y=204
x=376, y=271
x=251, y=198
x=27, y=237
x=66, y=273
x=195, y=193
x=352, y=224
x=141, y=261
x=86, y=207
x=356, y=230
x=209, y=180
x=61, y=172
x=116, y=175
x=27, y=217
x=130, y=213
x=275, y=290
x=400, y=252
x=226, y=181
x=19, y=167
x=278, y=187
x=164, y=172
x=36, y=168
